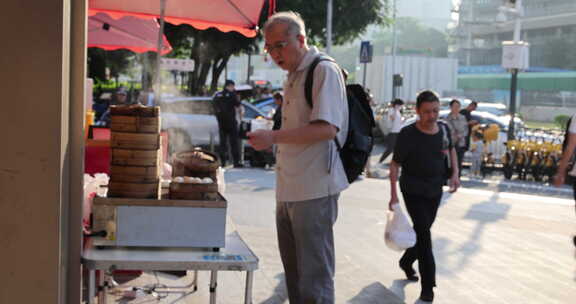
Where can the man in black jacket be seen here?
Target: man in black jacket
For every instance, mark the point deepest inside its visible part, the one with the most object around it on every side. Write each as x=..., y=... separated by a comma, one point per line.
x=226, y=103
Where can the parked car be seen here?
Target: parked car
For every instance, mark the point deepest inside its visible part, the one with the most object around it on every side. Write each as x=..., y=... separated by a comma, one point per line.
x=497, y=148
x=190, y=122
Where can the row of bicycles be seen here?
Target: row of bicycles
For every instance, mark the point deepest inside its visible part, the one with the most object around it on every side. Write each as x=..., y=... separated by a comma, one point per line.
x=533, y=155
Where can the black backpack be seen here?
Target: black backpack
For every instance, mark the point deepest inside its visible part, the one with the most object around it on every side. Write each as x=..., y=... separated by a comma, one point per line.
x=359, y=140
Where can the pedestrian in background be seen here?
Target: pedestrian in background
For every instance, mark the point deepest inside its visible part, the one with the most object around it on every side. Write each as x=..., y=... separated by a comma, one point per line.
x=477, y=149
x=459, y=130
x=226, y=104
x=569, y=146
x=467, y=112
x=421, y=151
x=277, y=117
x=395, y=120
x=309, y=171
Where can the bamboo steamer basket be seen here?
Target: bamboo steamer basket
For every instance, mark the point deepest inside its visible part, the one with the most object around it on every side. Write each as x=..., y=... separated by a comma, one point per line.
x=197, y=163
x=134, y=190
x=134, y=110
x=135, y=141
x=193, y=191
x=145, y=158
x=138, y=124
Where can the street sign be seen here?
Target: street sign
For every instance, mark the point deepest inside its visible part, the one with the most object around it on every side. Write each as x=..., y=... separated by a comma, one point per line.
x=365, y=52
x=185, y=65
x=515, y=55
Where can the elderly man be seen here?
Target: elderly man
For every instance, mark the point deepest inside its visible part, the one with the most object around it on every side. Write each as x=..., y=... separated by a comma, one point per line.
x=310, y=174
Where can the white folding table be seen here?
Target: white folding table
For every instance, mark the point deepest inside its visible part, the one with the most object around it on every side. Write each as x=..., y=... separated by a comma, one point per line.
x=236, y=256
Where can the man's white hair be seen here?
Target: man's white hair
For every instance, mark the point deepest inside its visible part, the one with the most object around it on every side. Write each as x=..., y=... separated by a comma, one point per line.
x=293, y=20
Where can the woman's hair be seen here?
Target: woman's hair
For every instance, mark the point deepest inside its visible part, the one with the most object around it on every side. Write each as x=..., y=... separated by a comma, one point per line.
x=426, y=96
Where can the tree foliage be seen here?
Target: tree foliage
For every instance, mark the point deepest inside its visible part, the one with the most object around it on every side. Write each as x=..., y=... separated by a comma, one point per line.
x=103, y=64
x=413, y=38
x=350, y=17
x=209, y=49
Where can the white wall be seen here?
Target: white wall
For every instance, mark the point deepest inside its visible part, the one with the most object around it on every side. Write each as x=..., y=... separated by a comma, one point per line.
x=420, y=73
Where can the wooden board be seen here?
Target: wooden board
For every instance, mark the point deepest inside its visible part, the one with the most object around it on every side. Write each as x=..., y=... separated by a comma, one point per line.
x=136, y=141
x=219, y=203
x=135, y=124
x=194, y=196
x=128, y=194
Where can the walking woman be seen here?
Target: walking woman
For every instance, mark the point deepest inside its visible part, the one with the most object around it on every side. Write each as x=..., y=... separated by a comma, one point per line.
x=395, y=121
x=421, y=152
x=459, y=129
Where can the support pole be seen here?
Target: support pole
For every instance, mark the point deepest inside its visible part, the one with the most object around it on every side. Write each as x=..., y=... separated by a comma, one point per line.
x=513, y=89
x=329, y=28
x=159, y=55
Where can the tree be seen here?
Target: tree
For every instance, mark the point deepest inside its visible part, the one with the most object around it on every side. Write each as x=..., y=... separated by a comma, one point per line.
x=413, y=38
x=117, y=62
x=351, y=17
x=209, y=49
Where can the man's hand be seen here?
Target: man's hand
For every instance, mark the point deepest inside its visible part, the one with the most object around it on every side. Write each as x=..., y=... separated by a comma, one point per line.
x=393, y=200
x=261, y=139
x=454, y=183
x=559, y=179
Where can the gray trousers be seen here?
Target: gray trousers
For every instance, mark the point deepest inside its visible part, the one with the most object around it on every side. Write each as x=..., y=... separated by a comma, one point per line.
x=306, y=244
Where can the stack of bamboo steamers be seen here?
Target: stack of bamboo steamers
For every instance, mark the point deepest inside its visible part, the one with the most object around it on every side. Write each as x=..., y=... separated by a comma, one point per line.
x=136, y=163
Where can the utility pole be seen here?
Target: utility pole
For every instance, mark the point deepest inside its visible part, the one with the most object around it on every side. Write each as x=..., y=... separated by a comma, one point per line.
x=329, y=27
x=394, y=47
x=514, y=56
x=469, y=32
x=249, y=70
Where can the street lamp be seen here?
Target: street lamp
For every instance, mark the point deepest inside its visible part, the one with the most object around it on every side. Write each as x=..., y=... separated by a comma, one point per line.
x=515, y=54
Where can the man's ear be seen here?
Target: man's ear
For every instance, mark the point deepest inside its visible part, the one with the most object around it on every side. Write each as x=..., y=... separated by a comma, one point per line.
x=301, y=39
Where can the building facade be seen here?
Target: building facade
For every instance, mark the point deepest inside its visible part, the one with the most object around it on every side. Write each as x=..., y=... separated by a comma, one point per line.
x=546, y=23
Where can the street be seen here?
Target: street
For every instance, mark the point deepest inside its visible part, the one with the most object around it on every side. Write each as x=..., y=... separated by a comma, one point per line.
x=490, y=247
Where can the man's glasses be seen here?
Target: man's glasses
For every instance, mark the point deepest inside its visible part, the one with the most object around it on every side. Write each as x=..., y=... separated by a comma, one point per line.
x=276, y=46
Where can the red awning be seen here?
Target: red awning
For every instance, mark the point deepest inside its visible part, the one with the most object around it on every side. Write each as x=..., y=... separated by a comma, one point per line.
x=136, y=34
x=225, y=15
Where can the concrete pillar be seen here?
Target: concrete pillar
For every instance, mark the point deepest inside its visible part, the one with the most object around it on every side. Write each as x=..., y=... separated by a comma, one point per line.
x=39, y=154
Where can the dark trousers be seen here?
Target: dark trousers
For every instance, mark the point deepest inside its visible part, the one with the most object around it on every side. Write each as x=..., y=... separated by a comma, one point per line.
x=422, y=211
x=460, y=153
x=229, y=136
x=306, y=243
x=390, y=144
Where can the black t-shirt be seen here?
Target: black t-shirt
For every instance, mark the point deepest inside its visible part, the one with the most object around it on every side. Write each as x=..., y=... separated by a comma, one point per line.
x=225, y=103
x=277, y=118
x=423, y=159
x=466, y=114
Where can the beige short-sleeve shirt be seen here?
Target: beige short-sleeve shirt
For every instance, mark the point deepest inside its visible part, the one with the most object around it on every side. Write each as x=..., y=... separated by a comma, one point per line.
x=309, y=171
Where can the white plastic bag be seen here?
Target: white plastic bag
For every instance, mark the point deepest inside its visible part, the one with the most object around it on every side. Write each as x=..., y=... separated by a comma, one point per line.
x=399, y=234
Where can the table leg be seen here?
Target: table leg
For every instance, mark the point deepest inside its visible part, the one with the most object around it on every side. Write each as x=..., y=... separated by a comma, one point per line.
x=195, y=281
x=249, y=283
x=102, y=287
x=213, y=285
x=91, y=286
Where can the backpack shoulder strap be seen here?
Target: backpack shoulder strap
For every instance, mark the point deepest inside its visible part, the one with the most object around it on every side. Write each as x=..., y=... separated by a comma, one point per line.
x=309, y=82
x=443, y=128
